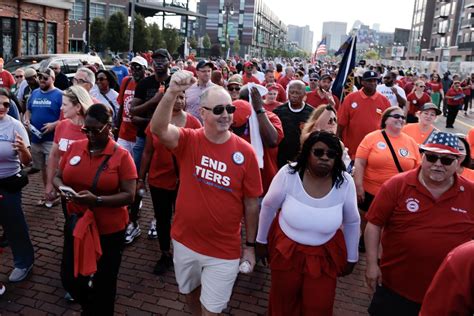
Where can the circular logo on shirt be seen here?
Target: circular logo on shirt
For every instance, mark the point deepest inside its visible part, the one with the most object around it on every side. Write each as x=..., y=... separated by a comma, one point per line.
x=412, y=205
x=238, y=158
x=414, y=101
x=381, y=145
x=354, y=105
x=403, y=152
x=75, y=160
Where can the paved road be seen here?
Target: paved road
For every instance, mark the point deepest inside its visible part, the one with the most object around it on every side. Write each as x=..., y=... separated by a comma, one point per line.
x=462, y=124
x=139, y=291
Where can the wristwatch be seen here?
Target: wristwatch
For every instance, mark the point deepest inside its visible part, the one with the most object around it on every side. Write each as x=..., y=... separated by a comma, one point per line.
x=98, y=201
x=250, y=244
x=260, y=111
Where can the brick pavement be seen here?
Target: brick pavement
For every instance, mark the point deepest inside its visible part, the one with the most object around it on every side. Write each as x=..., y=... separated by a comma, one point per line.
x=139, y=291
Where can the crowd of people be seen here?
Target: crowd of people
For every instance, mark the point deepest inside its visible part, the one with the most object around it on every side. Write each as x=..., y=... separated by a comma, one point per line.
x=315, y=179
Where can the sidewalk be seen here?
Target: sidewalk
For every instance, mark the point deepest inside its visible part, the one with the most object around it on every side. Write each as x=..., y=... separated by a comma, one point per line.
x=140, y=292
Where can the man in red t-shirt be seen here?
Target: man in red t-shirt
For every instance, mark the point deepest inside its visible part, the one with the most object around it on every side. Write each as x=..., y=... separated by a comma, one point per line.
x=270, y=79
x=322, y=94
x=289, y=75
x=189, y=67
x=421, y=216
x=6, y=78
x=455, y=100
x=219, y=184
x=248, y=74
x=360, y=113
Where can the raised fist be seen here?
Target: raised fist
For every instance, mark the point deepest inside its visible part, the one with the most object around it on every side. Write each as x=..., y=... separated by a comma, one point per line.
x=181, y=80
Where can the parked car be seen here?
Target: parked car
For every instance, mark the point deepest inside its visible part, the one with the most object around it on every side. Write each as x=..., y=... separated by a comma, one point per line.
x=69, y=62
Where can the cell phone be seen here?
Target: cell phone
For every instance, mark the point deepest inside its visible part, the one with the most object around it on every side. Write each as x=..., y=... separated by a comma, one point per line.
x=67, y=191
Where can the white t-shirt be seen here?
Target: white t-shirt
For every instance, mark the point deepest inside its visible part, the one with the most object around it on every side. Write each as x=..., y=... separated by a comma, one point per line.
x=388, y=93
x=307, y=220
x=9, y=160
x=111, y=95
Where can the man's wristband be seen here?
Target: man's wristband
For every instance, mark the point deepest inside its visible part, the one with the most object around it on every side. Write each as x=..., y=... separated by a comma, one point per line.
x=250, y=244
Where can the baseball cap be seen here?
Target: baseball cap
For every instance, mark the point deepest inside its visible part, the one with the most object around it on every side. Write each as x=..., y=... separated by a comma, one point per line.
x=314, y=76
x=430, y=106
x=161, y=52
x=326, y=76
x=47, y=72
x=248, y=64
x=30, y=72
x=203, y=63
x=242, y=112
x=442, y=143
x=235, y=79
x=369, y=75
x=139, y=60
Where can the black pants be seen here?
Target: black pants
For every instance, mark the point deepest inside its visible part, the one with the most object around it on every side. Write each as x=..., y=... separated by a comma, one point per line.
x=386, y=302
x=467, y=99
x=452, y=113
x=163, y=204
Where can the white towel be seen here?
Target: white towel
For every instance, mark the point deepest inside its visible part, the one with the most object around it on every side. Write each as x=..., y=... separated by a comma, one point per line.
x=255, y=138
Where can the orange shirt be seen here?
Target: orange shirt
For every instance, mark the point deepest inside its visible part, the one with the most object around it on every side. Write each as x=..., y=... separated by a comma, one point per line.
x=360, y=115
x=380, y=164
x=214, y=180
x=470, y=140
x=413, y=130
x=79, y=175
x=468, y=174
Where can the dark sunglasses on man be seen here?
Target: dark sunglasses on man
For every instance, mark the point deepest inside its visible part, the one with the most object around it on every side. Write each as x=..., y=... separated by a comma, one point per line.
x=432, y=158
x=219, y=109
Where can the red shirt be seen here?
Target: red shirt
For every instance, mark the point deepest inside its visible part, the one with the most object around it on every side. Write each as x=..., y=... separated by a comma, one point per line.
x=284, y=81
x=191, y=69
x=250, y=79
x=451, y=291
x=6, y=80
x=271, y=106
x=415, y=103
x=128, y=130
x=435, y=86
x=80, y=176
x=470, y=140
x=162, y=173
x=458, y=94
x=214, y=180
x=360, y=115
x=418, y=230
x=67, y=133
x=270, y=165
x=313, y=99
x=281, y=96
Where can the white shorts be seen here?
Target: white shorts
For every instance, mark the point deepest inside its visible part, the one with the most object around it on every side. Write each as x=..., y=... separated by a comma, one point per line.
x=40, y=154
x=215, y=276
x=128, y=145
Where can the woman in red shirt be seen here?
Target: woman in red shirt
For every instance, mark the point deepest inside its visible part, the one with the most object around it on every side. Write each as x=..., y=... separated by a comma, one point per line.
x=76, y=101
x=466, y=87
x=81, y=166
x=162, y=170
x=416, y=100
x=270, y=102
x=436, y=89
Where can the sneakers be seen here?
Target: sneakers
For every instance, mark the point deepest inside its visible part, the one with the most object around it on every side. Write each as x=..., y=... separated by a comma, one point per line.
x=132, y=232
x=3, y=289
x=69, y=299
x=18, y=274
x=152, y=234
x=165, y=262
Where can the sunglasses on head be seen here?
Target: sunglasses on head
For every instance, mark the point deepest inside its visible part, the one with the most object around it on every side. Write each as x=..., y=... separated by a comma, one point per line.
x=219, y=109
x=397, y=116
x=93, y=131
x=319, y=152
x=447, y=161
x=233, y=88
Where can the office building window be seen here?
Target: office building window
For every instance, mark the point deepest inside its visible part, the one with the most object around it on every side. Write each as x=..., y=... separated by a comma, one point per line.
x=8, y=35
x=116, y=8
x=97, y=10
x=32, y=38
x=78, y=10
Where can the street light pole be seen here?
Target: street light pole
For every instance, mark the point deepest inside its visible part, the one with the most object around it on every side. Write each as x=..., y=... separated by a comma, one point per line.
x=229, y=10
x=132, y=25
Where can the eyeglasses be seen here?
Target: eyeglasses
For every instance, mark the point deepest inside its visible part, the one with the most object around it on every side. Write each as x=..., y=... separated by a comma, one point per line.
x=332, y=120
x=5, y=104
x=79, y=81
x=313, y=80
x=93, y=131
x=233, y=88
x=447, y=161
x=101, y=79
x=18, y=77
x=219, y=109
x=43, y=77
x=319, y=152
x=397, y=116
x=421, y=86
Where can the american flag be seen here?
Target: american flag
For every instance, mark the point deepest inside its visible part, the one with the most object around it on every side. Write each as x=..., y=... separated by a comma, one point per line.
x=321, y=49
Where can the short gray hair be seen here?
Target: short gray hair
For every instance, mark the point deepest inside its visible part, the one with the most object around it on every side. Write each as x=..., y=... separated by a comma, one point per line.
x=203, y=99
x=296, y=83
x=90, y=74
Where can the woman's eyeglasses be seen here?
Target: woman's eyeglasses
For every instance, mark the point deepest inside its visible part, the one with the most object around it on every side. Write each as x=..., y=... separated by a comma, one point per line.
x=219, y=109
x=93, y=131
x=233, y=88
x=397, y=116
x=447, y=161
x=330, y=153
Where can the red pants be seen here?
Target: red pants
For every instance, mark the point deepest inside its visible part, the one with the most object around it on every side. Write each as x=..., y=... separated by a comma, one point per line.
x=303, y=277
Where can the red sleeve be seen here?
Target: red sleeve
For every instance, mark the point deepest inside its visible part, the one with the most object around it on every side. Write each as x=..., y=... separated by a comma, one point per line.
x=281, y=94
x=184, y=138
x=125, y=82
x=451, y=92
x=276, y=122
x=384, y=203
x=252, y=183
x=127, y=169
x=8, y=79
x=58, y=131
x=338, y=103
x=343, y=113
x=65, y=157
x=192, y=122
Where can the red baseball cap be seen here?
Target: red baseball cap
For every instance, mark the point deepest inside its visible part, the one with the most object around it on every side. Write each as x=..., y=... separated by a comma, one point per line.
x=242, y=112
x=248, y=64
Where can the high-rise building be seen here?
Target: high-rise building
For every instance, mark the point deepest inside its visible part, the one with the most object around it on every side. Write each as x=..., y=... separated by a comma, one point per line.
x=335, y=34
x=442, y=30
x=302, y=35
x=250, y=21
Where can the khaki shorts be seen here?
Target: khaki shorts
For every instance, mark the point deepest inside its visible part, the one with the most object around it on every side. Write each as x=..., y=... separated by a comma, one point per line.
x=215, y=276
x=40, y=154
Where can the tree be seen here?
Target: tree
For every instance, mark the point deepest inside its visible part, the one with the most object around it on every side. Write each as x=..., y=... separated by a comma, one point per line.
x=116, y=35
x=193, y=43
x=372, y=54
x=236, y=46
x=215, y=51
x=156, y=36
x=97, y=34
x=171, y=38
x=141, y=35
x=206, y=41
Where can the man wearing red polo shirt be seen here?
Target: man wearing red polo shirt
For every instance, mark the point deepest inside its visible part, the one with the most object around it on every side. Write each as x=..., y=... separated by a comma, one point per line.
x=360, y=113
x=421, y=216
x=455, y=100
x=322, y=94
x=248, y=74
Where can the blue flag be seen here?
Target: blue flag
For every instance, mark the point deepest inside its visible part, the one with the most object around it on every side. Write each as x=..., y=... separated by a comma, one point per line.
x=344, y=81
x=344, y=46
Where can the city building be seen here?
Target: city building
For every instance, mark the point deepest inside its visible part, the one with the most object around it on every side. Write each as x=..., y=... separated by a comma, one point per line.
x=252, y=22
x=301, y=35
x=32, y=27
x=442, y=30
x=335, y=34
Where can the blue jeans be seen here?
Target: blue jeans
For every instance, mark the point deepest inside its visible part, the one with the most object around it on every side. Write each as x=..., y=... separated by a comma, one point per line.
x=14, y=225
x=138, y=151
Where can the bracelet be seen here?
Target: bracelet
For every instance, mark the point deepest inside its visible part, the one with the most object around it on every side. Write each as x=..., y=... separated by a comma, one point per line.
x=250, y=244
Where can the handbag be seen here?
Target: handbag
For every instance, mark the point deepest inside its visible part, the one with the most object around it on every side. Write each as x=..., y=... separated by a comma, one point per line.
x=15, y=182
x=78, y=287
x=394, y=155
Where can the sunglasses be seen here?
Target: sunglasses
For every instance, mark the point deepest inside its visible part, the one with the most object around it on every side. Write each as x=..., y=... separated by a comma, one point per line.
x=330, y=153
x=219, y=109
x=93, y=131
x=398, y=116
x=79, y=81
x=313, y=80
x=233, y=88
x=45, y=78
x=18, y=77
x=447, y=161
x=421, y=86
x=6, y=104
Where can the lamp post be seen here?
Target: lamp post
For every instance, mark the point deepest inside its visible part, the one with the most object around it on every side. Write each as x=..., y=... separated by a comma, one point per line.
x=228, y=10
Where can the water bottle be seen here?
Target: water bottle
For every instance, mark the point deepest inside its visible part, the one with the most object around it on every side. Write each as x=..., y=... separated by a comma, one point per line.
x=245, y=267
x=36, y=131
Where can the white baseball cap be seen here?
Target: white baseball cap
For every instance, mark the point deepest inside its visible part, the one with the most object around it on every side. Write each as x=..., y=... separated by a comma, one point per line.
x=140, y=60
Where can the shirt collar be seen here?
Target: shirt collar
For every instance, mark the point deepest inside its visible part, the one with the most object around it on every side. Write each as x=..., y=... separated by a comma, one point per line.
x=108, y=150
x=412, y=180
x=365, y=96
